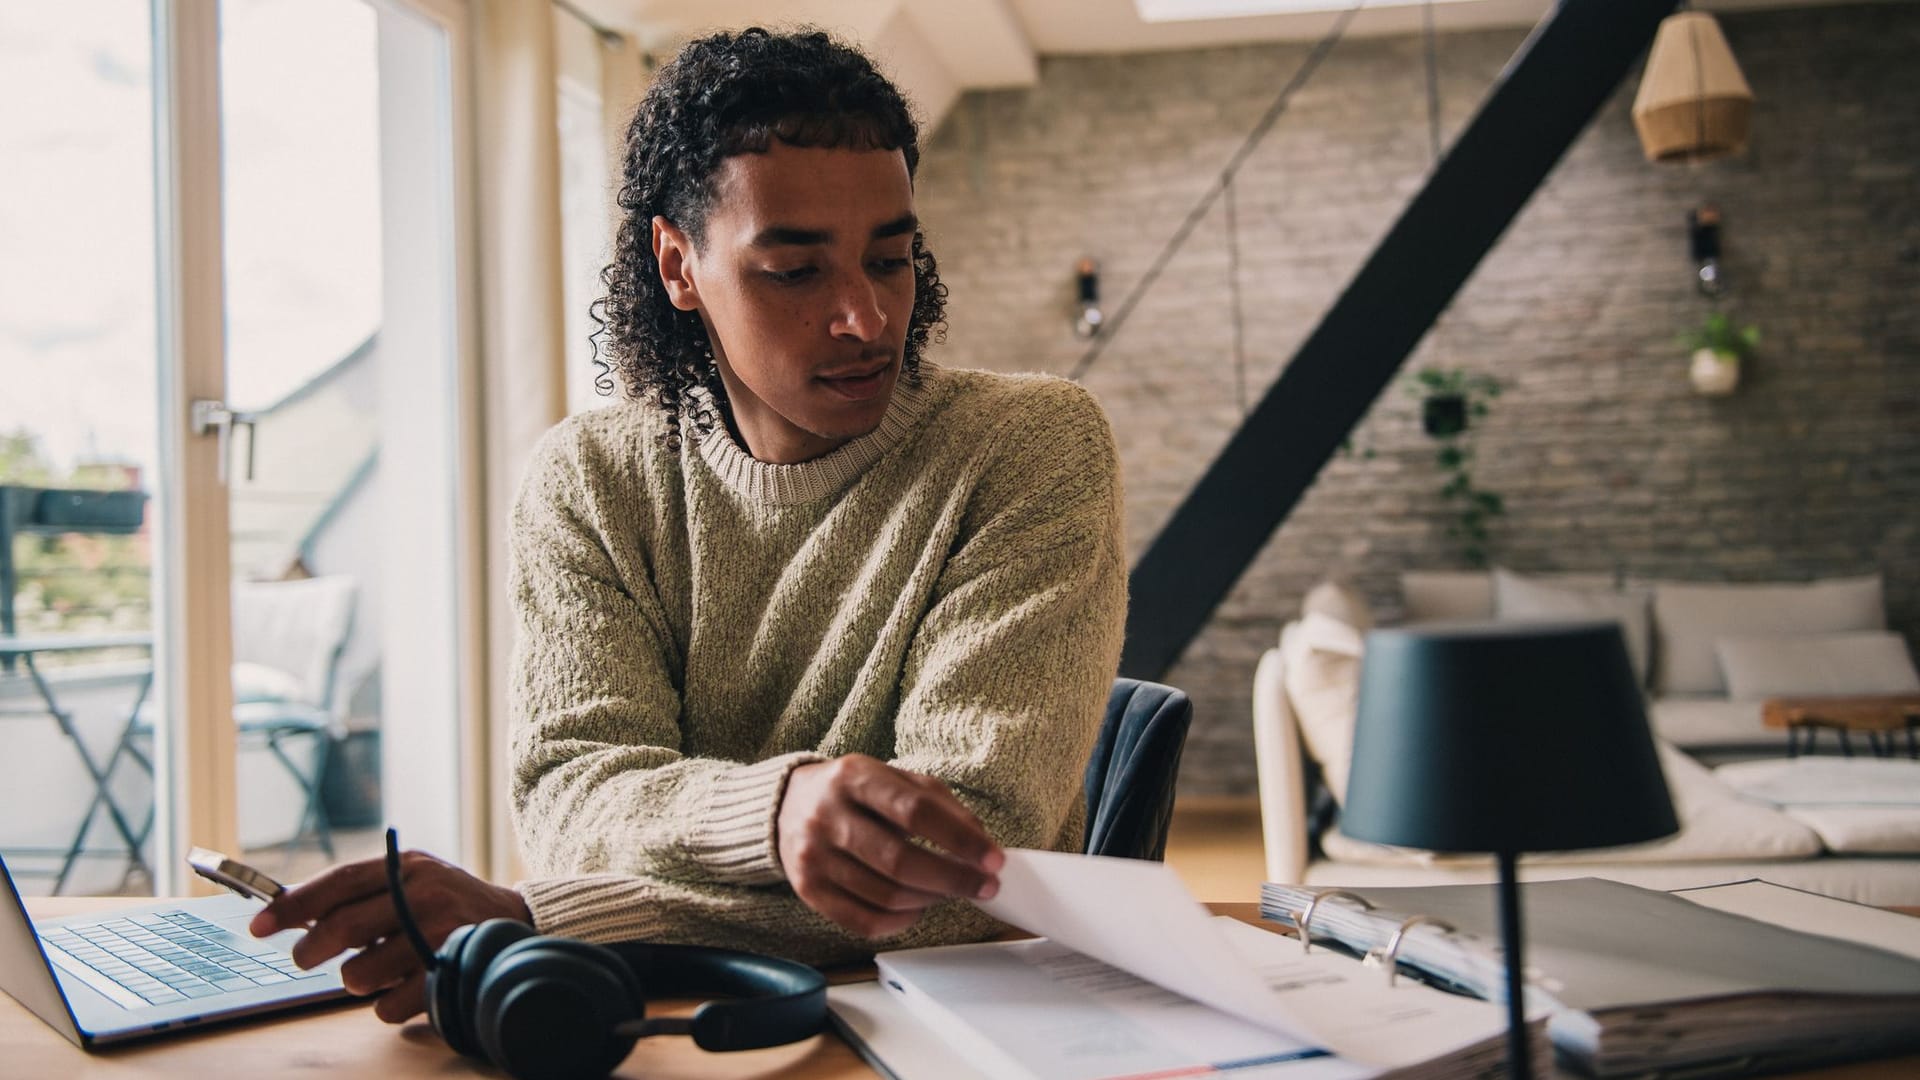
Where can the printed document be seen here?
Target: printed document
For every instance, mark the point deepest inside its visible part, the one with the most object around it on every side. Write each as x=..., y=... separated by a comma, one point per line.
x=1137, y=917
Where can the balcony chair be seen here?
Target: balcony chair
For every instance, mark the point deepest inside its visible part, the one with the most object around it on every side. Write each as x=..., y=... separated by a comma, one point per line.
x=288, y=637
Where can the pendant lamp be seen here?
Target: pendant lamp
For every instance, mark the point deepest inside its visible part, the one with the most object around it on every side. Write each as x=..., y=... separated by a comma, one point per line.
x=1693, y=104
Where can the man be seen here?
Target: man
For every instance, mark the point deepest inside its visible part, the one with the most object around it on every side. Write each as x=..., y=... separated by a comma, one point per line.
x=813, y=628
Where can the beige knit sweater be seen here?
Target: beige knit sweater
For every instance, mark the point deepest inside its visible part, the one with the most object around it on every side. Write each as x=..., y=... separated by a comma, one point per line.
x=946, y=593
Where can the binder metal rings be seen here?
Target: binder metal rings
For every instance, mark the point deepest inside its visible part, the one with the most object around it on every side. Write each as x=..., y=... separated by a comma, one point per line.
x=1389, y=957
x=1304, y=917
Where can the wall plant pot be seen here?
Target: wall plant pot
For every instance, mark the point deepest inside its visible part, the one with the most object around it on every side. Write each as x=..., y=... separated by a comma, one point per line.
x=1444, y=415
x=1714, y=374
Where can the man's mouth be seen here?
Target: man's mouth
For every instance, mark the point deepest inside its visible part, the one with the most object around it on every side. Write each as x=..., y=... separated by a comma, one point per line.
x=858, y=383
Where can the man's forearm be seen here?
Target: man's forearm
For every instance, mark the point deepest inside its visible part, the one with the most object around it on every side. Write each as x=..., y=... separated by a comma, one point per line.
x=769, y=920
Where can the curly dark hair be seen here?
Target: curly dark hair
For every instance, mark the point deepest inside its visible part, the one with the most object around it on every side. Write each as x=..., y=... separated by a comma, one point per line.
x=727, y=94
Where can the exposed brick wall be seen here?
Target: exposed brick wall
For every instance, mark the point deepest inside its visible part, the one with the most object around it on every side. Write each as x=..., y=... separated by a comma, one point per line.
x=1606, y=458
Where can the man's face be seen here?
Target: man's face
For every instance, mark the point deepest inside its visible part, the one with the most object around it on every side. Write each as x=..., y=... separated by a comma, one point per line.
x=805, y=283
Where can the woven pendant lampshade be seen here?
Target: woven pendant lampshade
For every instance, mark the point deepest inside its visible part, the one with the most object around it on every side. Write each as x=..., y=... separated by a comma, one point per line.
x=1693, y=104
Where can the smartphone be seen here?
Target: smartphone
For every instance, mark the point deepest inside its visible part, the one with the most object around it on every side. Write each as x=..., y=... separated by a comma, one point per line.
x=234, y=874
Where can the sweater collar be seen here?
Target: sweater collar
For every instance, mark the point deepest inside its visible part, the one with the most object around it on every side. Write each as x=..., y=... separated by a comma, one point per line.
x=824, y=476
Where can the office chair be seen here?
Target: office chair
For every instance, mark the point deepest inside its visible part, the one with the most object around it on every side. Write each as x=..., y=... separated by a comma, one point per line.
x=1129, y=781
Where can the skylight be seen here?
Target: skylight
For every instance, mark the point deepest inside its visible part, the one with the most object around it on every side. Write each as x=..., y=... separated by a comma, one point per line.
x=1193, y=10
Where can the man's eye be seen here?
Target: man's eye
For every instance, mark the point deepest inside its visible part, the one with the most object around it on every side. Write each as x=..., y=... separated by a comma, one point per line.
x=889, y=266
x=790, y=277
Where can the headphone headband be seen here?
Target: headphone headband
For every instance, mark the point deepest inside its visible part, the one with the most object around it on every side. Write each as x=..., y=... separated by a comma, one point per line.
x=772, y=1001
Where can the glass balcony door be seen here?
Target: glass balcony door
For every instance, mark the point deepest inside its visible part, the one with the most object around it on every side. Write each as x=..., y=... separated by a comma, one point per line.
x=233, y=437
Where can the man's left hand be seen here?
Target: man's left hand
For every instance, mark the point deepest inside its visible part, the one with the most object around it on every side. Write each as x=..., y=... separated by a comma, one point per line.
x=348, y=907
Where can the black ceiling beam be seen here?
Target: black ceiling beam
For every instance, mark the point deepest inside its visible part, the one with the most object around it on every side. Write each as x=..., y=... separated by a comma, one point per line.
x=1561, y=76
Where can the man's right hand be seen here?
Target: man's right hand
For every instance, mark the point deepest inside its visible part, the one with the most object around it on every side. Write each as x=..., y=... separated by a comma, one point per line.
x=846, y=830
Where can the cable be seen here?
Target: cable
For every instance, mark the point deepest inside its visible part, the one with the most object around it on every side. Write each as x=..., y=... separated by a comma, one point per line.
x=1233, y=292
x=1307, y=68
x=1433, y=83
x=412, y=928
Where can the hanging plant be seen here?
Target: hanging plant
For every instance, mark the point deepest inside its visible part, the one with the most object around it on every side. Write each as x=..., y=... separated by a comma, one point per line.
x=1451, y=400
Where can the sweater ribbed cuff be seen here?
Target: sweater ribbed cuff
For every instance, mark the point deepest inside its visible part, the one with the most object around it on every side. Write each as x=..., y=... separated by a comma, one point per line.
x=598, y=907
x=734, y=837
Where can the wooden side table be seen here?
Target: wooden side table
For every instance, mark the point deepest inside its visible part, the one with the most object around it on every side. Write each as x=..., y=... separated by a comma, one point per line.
x=1881, y=717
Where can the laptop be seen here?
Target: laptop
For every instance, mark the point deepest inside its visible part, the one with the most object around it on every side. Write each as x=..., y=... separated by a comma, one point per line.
x=139, y=972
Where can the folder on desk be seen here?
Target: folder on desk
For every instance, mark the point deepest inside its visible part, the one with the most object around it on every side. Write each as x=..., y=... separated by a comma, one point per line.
x=1136, y=979
x=1643, y=982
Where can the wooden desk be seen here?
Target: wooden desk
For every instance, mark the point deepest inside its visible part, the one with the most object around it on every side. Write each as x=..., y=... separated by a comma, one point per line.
x=347, y=1041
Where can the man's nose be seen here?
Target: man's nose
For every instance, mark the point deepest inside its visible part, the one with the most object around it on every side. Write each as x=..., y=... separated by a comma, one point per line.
x=857, y=314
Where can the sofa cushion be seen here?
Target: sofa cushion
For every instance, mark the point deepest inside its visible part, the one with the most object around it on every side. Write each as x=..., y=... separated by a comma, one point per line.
x=1857, y=806
x=1820, y=781
x=1697, y=723
x=1715, y=824
x=1520, y=598
x=1428, y=595
x=1689, y=620
x=1320, y=664
x=1867, y=662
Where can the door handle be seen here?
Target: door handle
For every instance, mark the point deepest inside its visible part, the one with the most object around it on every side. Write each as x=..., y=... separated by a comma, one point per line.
x=213, y=417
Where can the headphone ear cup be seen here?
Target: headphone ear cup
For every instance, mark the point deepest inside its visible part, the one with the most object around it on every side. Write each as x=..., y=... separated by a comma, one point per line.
x=548, y=1006
x=461, y=966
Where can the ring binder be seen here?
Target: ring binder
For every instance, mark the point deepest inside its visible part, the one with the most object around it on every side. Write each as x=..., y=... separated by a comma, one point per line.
x=1304, y=916
x=1388, y=955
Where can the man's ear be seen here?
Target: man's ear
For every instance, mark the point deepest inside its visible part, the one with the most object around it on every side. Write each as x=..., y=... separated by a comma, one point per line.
x=673, y=250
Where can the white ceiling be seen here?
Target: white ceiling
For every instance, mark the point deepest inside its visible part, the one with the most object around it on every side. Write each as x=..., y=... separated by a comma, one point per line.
x=938, y=49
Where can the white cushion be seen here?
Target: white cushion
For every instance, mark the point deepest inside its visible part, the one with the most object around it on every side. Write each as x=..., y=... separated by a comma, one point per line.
x=1520, y=598
x=1320, y=658
x=259, y=682
x=1446, y=594
x=1689, y=620
x=1868, y=662
x=1815, y=781
x=1856, y=805
x=1715, y=824
x=1696, y=723
x=298, y=627
x=1431, y=595
x=1863, y=830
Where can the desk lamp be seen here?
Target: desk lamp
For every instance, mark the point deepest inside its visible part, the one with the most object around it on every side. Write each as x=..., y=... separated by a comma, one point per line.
x=1503, y=738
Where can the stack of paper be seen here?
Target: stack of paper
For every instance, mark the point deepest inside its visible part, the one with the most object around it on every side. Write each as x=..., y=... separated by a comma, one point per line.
x=1645, y=981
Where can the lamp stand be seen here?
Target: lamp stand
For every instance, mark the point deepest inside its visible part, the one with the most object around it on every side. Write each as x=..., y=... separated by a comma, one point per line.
x=1519, y=1062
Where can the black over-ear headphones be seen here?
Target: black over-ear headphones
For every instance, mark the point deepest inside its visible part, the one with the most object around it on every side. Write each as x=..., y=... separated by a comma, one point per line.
x=554, y=1008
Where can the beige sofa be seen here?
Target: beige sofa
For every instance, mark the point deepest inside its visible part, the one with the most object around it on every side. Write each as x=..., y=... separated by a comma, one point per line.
x=1691, y=638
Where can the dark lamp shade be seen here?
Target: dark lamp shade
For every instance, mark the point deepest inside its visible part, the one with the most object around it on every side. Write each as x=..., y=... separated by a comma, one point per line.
x=1508, y=737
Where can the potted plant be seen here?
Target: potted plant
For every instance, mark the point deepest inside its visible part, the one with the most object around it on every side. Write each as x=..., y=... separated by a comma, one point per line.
x=1450, y=401
x=1718, y=349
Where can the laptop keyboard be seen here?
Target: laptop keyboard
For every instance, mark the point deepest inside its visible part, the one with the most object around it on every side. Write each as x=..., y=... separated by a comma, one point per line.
x=170, y=956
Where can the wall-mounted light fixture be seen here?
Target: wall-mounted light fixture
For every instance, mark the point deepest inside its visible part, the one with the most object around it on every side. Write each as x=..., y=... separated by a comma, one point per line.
x=1087, y=322
x=1703, y=243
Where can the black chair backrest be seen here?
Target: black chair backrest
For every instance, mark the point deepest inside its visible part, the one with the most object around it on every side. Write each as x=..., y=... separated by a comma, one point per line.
x=1130, y=777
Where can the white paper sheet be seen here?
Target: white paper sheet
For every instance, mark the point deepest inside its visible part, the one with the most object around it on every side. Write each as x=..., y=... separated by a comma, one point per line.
x=1137, y=916
x=887, y=1037
x=1037, y=1010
